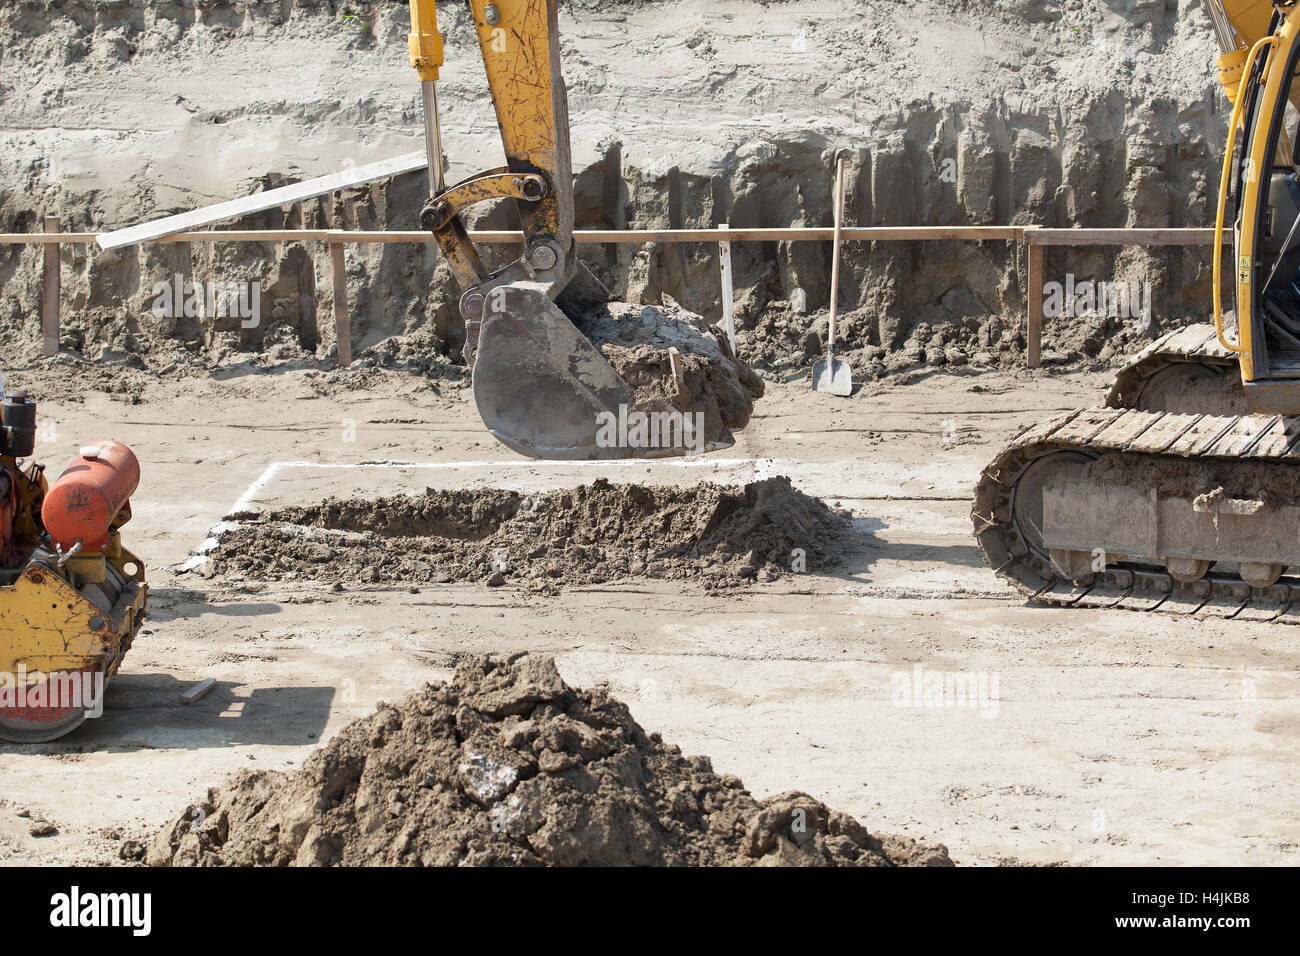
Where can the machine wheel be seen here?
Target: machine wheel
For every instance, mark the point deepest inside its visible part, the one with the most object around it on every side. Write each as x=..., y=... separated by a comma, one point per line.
x=38, y=725
x=1027, y=505
x=1189, y=388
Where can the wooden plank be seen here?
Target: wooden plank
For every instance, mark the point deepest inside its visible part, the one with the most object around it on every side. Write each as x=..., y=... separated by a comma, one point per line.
x=803, y=234
x=925, y=233
x=198, y=691
x=257, y=202
x=797, y=234
x=728, y=292
x=50, y=296
x=40, y=238
x=246, y=235
x=1034, y=301
x=342, y=321
x=1122, y=237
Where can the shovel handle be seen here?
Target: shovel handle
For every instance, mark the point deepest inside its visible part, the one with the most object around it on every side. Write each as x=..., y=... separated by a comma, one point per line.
x=835, y=256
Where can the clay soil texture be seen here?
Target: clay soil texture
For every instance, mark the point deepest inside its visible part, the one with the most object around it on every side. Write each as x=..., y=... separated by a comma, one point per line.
x=594, y=533
x=508, y=765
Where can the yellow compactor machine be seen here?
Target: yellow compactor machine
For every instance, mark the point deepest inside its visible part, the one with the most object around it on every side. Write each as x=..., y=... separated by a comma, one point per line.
x=71, y=596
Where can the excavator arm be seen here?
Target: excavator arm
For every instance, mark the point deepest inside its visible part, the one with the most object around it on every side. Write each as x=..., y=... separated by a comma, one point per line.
x=1238, y=25
x=539, y=383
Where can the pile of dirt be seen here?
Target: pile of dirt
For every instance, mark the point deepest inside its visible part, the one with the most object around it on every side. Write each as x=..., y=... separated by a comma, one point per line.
x=70, y=377
x=789, y=342
x=416, y=352
x=67, y=378
x=589, y=534
x=507, y=765
x=709, y=379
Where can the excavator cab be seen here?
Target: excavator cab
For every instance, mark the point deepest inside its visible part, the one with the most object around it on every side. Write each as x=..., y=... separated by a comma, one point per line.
x=1261, y=185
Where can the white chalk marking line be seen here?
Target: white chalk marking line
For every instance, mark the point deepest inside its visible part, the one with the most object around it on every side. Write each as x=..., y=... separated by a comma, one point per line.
x=763, y=468
x=199, y=555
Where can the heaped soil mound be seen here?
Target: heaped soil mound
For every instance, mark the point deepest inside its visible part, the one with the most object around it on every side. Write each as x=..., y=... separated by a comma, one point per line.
x=708, y=380
x=507, y=765
x=590, y=534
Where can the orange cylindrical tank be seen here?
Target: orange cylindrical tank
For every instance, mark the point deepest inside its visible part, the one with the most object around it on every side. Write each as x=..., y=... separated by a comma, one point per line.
x=83, y=503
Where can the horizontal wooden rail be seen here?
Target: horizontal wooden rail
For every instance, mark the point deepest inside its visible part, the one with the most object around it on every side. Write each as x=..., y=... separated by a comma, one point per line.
x=1034, y=235
x=582, y=236
x=1039, y=236
x=1036, y=238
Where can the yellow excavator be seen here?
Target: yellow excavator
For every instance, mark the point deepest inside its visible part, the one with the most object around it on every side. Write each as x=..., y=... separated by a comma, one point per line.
x=541, y=387
x=1181, y=494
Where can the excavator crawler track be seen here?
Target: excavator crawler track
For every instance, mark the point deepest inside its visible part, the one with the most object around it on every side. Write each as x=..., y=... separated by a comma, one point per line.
x=1197, y=450
x=1186, y=370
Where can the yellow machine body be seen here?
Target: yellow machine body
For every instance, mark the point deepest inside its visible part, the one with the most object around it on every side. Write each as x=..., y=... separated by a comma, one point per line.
x=1179, y=494
x=50, y=627
x=1259, y=199
x=60, y=615
x=425, y=41
x=1248, y=21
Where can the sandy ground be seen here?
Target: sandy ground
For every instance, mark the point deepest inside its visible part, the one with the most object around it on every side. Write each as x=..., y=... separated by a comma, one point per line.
x=1109, y=737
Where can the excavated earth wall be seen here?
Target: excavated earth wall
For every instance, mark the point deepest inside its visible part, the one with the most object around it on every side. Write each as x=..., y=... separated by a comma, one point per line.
x=684, y=114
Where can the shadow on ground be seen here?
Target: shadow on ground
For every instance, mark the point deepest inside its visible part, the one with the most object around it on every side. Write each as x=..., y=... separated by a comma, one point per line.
x=144, y=712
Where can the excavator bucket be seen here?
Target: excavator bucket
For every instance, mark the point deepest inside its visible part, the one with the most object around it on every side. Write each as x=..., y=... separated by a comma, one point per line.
x=541, y=387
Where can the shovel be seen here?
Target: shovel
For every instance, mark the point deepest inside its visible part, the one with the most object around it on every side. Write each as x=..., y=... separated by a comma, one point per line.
x=831, y=374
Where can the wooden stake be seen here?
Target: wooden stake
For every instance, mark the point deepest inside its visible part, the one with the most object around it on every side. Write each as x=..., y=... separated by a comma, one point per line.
x=675, y=364
x=50, y=298
x=1034, y=300
x=342, y=322
x=728, y=294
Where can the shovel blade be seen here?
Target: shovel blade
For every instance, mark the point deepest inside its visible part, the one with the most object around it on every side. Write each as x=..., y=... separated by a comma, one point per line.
x=541, y=387
x=833, y=376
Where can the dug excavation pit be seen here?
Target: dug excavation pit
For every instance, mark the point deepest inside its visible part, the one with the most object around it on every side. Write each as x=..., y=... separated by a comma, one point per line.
x=721, y=535
x=508, y=765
